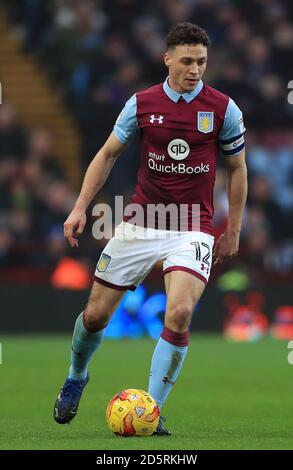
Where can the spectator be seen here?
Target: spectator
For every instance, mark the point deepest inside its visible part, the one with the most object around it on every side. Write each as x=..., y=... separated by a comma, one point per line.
x=12, y=134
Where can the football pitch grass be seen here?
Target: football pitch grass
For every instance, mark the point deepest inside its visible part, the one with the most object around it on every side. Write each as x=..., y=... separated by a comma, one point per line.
x=229, y=396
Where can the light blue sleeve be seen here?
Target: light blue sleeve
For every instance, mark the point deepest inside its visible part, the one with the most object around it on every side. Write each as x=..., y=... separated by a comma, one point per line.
x=126, y=126
x=231, y=135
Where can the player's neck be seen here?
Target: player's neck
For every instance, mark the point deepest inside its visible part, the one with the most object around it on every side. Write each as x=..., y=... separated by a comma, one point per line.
x=174, y=86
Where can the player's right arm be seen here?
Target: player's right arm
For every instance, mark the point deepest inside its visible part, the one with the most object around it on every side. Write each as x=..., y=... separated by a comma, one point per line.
x=100, y=168
x=95, y=178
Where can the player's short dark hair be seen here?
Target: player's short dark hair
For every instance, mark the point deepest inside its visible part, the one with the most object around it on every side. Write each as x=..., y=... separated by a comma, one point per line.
x=187, y=33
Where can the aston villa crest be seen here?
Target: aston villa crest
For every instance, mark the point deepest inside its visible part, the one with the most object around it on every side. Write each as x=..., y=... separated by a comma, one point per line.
x=205, y=121
x=103, y=263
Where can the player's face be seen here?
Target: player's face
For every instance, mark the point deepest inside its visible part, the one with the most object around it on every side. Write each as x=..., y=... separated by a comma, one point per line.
x=187, y=64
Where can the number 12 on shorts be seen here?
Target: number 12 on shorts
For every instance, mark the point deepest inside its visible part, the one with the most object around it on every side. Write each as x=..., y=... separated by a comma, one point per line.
x=202, y=254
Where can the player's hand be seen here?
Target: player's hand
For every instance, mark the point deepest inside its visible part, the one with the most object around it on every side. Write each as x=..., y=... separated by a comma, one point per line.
x=226, y=247
x=74, y=226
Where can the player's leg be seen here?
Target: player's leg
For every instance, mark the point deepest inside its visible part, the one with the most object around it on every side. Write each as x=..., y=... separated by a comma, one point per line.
x=90, y=327
x=183, y=292
x=87, y=337
x=124, y=263
x=114, y=275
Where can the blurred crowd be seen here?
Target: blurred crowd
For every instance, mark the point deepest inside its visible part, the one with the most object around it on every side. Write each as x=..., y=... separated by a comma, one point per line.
x=99, y=53
x=34, y=195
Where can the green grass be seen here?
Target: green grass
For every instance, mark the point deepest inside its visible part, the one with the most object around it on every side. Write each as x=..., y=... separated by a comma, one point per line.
x=229, y=396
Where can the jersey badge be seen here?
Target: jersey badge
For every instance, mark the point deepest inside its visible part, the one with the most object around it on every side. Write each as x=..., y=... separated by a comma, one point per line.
x=205, y=121
x=103, y=263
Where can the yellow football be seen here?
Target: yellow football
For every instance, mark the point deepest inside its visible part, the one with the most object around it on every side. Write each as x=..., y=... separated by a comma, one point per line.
x=133, y=412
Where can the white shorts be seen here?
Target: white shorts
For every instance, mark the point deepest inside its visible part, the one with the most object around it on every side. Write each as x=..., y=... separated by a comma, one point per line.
x=133, y=251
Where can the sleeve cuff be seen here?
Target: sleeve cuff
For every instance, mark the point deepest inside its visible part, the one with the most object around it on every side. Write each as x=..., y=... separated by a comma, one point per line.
x=232, y=146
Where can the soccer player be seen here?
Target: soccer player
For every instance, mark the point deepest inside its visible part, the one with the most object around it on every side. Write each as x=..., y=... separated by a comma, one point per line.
x=182, y=123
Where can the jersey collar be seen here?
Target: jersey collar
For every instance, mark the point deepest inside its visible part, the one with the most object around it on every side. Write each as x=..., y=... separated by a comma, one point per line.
x=187, y=96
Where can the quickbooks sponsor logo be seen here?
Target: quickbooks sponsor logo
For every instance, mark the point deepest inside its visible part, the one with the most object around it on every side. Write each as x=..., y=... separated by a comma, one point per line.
x=180, y=168
x=178, y=149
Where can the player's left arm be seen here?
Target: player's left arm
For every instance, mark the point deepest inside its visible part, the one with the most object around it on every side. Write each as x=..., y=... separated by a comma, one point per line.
x=231, y=139
x=227, y=245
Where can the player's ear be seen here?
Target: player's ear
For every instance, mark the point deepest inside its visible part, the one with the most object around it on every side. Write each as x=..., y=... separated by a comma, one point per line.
x=167, y=58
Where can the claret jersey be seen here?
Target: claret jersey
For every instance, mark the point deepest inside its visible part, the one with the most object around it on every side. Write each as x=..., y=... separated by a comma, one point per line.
x=180, y=139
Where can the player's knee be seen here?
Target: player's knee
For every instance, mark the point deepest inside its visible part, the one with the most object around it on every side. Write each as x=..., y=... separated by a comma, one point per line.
x=95, y=319
x=180, y=316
